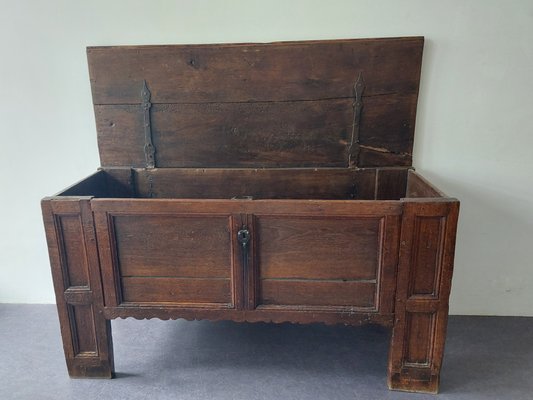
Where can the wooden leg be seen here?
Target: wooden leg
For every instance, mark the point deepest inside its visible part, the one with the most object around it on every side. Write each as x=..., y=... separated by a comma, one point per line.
x=87, y=342
x=75, y=271
x=423, y=287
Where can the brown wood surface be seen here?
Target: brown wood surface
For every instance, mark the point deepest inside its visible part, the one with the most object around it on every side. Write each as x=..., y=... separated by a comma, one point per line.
x=318, y=248
x=310, y=70
x=423, y=289
x=388, y=258
x=318, y=296
x=266, y=134
x=173, y=246
x=427, y=255
x=281, y=105
x=271, y=183
x=307, y=293
x=93, y=185
x=418, y=187
x=391, y=183
x=73, y=250
x=284, y=134
x=115, y=183
x=419, y=327
x=161, y=290
x=333, y=208
x=276, y=314
x=215, y=183
x=322, y=245
x=311, y=261
x=82, y=318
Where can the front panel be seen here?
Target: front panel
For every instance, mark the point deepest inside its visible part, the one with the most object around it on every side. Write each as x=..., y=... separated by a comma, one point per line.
x=168, y=259
x=305, y=262
x=305, y=259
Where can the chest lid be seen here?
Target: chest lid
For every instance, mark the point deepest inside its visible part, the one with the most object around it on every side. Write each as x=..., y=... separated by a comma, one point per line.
x=340, y=103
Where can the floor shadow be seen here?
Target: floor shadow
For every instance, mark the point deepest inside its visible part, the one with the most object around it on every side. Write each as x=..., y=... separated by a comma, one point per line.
x=314, y=348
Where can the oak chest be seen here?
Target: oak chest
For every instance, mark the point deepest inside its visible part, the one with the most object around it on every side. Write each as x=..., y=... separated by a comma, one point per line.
x=256, y=182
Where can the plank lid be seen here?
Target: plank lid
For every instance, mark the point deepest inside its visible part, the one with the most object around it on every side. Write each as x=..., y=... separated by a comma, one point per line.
x=339, y=103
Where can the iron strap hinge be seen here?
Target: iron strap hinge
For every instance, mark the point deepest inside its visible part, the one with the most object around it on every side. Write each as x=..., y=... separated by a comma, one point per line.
x=149, y=149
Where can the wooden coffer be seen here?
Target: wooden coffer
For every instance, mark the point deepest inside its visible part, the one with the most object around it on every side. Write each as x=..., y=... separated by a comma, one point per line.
x=256, y=182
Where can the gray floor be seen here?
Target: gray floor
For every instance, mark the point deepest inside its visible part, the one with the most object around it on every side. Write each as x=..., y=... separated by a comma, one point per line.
x=486, y=358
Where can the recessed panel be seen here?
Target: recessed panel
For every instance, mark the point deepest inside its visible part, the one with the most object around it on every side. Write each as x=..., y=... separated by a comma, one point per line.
x=317, y=293
x=73, y=249
x=83, y=330
x=419, y=342
x=174, y=258
x=318, y=261
x=426, y=258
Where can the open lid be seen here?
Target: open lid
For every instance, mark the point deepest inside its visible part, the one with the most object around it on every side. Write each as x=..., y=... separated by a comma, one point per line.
x=340, y=103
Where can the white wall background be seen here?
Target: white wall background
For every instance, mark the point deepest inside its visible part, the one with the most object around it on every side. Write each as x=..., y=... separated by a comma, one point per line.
x=474, y=135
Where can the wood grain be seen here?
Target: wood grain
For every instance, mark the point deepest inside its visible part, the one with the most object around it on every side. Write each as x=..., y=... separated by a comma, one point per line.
x=110, y=183
x=73, y=250
x=214, y=183
x=427, y=255
x=173, y=246
x=273, y=110
x=419, y=332
x=176, y=290
x=318, y=248
x=419, y=345
x=259, y=135
x=254, y=72
x=391, y=183
x=317, y=293
x=82, y=325
x=300, y=207
x=270, y=314
x=418, y=187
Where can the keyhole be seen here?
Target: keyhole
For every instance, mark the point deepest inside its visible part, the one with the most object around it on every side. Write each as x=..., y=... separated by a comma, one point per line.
x=243, y=237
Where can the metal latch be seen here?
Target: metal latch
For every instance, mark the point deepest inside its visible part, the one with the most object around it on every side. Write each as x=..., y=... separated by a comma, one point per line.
x=243, y=238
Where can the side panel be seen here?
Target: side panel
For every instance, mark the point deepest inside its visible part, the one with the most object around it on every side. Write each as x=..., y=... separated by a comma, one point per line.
x=424, y=278
x=75, y=272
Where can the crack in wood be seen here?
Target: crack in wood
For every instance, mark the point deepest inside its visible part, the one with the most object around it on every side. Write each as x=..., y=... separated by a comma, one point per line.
x=256, y=101
x=382, y=150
